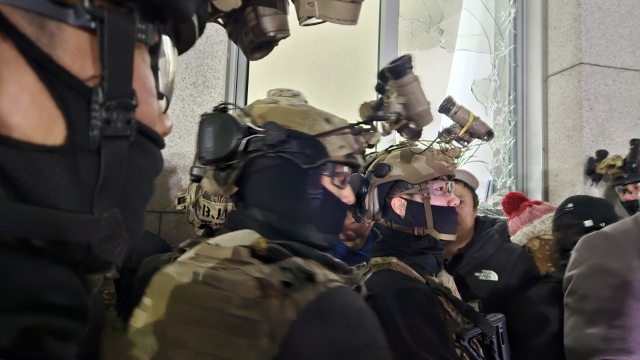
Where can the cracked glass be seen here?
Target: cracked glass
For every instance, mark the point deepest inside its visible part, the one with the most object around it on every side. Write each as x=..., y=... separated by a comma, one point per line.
x=465, y=48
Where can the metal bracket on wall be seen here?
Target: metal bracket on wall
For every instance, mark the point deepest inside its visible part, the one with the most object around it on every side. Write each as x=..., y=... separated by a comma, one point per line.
x=237, y=76
x=531, y=93
x=388, y=48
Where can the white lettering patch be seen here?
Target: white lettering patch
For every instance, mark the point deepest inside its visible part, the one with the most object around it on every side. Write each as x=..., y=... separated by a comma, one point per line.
x=487, y=275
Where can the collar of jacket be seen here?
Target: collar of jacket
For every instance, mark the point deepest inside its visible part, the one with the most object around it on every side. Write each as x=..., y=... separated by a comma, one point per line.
x=489, y=235
x=424, y=254
x=299, y=242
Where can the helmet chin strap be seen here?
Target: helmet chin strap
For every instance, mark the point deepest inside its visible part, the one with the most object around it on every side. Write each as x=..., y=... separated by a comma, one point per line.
x=423, y=231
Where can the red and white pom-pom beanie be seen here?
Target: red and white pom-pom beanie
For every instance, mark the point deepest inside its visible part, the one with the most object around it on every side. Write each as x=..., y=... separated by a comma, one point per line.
x=527, y=218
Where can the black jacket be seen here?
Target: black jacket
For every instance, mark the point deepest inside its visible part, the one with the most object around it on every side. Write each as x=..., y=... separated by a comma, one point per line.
x=506, y=280
x=411, y=313
x=535, y=320
x=490, y=267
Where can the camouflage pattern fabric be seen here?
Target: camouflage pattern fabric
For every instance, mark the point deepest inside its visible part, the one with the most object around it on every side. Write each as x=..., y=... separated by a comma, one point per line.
x=218, y=302
x=290, y=109
x=411, y=164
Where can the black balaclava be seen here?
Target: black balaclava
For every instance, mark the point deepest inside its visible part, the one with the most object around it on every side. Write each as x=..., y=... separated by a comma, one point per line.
x=64, y=177
x=293, y=196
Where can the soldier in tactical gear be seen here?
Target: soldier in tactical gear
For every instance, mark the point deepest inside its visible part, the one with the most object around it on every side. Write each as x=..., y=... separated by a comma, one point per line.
x=411, y=193
x=91, y=122
x=84, y=91
x=268, y=289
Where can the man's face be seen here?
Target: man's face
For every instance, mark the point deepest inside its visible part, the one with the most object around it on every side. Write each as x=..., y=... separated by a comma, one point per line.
x=75, y=49
x=346, y=195
x=628, y=192
x=352, y=230
x=439, y=196
x=466, y=212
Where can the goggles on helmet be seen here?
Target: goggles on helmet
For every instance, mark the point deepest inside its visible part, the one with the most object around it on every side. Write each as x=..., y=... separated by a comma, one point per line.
x=314, y=12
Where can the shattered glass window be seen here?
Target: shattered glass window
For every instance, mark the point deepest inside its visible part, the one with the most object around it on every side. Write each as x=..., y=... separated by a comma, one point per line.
x=465, y=48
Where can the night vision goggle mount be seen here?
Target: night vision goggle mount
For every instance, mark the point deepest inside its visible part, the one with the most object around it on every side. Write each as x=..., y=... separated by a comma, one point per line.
x=402, y=105
x=618, y=169
x=466, y=125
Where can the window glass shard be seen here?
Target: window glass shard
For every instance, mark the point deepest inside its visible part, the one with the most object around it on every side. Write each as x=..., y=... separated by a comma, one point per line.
x=465, y=48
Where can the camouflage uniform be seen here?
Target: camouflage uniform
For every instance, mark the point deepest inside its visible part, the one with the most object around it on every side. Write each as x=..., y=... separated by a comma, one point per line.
x=235, y=296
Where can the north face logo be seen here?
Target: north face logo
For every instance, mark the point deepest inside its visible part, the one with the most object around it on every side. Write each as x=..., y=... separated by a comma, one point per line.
x=487, y=275
x=569, y=206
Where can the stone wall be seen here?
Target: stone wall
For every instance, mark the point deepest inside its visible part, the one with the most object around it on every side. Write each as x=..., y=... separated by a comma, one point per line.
x=593, y=87
x=199, y=86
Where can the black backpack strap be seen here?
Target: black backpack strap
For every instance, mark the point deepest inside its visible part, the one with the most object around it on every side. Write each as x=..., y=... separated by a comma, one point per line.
x=104, y=232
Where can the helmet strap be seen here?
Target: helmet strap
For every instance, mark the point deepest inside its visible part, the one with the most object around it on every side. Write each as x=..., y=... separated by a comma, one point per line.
x=426, y=201
x=422, y=231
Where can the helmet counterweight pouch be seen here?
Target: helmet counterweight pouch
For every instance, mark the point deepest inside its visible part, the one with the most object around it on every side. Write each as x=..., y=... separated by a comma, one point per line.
x=219, y=137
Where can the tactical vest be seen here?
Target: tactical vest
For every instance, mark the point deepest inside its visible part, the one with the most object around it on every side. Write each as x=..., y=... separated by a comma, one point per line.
x=454, y=319
x=217, y=301
x=445, y=288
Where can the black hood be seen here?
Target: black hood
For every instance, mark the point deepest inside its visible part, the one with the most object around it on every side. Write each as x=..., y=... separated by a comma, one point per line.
x=290, y=197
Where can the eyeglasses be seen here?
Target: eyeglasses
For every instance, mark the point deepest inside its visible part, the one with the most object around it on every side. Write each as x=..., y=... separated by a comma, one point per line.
x=441, y=187
x=436, y=188
x=340, y=174
x=628, y=189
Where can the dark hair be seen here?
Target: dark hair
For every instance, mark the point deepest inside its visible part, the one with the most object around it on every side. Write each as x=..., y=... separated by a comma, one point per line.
x=476, y=201
x=396, y=188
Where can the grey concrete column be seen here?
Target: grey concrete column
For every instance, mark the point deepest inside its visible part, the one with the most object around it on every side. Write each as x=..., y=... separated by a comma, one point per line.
x=593, y=87
x=199, y=86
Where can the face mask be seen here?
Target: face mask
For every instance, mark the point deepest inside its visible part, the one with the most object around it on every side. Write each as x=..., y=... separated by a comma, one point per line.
x=632, y=206
x=445, y=218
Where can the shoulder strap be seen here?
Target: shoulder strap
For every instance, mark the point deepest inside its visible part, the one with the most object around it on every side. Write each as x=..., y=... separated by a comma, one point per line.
x=466, y=310
x=418, y=231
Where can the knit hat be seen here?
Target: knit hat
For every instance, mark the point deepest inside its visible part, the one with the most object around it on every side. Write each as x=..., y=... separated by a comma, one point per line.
x=527, y=218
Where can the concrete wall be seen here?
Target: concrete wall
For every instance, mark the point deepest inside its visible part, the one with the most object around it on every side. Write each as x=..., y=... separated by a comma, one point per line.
x=593, y=87
x=199, y=86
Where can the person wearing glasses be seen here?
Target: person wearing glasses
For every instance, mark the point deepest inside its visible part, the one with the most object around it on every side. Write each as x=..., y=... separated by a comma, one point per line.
x=412, y=193
x=357, y=240
x=268, y=286
x=628, y=190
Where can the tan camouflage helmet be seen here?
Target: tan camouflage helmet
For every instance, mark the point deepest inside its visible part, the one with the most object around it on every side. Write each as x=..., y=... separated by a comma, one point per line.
x=290, y=109
x=415, y=166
